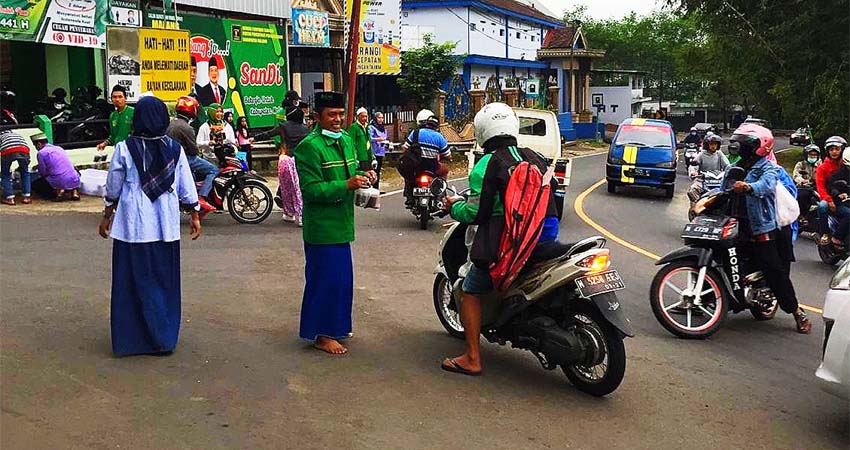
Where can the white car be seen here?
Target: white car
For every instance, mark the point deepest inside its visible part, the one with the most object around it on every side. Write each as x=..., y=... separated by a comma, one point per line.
x=834, y=371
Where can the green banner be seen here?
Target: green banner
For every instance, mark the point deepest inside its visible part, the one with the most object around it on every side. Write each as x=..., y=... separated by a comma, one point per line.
x=240, y=64
x=79, y=23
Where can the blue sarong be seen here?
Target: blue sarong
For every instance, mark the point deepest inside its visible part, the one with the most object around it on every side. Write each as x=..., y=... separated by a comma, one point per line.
x=145, y=315
x=329, y=291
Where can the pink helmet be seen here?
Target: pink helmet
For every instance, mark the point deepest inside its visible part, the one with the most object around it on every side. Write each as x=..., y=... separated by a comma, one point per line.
x=758, y=138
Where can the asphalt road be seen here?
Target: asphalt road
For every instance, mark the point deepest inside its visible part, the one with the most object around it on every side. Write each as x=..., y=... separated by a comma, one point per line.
x=241, y=379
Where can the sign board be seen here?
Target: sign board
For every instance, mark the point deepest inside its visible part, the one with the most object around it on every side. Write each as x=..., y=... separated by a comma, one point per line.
x=240, y=64
x=380, y=37
x=613, y=104
x=149, y=60
x=310, y=28
x=79, y=23
x=125, y=13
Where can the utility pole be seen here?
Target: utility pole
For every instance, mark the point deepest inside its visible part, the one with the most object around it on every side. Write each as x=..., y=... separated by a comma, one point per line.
x=354, y=42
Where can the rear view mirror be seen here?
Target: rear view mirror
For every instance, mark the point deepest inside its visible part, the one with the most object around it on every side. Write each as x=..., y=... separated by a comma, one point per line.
x=736, y=173
x=438, y=187
x=680, y=145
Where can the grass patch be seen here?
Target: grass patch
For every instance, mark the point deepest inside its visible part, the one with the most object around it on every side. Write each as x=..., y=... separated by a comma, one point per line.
x=788, y=158
x=592, y=143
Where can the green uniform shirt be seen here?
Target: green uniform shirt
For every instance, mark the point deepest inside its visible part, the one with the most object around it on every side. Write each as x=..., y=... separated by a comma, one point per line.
x=362, y=142
x=324, y=166
x=465, y=211
x=120, y=125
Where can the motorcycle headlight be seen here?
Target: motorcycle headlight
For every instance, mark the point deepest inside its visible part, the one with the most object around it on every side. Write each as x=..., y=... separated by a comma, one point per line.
x=841, y=279
x=666, y=165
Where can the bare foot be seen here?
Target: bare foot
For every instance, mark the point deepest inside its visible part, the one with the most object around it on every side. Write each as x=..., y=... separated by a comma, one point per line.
x=329, y=345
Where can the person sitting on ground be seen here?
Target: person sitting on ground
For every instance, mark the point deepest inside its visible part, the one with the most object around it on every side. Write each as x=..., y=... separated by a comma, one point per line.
x=496, y=131
x=14, y=149
x=834, y=147
x=432, y=145
x=58, y=175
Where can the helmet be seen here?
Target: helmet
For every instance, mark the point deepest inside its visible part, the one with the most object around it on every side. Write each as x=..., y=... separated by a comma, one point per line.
x=495, y=119
x=845, y=157
x=711, y=137
x=187, y=106
x=693, y=129
x=753, y=140
x=427, y=116
x=835, y=141
x=812, y=148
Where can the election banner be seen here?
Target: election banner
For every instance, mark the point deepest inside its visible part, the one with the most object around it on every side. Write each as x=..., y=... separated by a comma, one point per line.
x=79, y=23
x=239, y=64
x=148, y=60
x=311, y=28
x=380, y=37
x=125, y=12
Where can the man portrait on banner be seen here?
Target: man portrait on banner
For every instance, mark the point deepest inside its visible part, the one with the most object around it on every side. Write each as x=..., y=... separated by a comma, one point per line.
x=212, y=92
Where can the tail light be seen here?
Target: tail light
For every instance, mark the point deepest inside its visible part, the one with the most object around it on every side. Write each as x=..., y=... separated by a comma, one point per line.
x=730, y=228
x=595, y=263
x=424, y=180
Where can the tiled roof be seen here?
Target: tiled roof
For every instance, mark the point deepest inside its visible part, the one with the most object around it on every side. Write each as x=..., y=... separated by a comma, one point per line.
x=560, y=38
x=518, y=7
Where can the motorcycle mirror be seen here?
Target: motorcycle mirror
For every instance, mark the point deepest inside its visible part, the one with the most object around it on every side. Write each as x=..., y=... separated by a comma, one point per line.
x=680, y=145
x=374, y=164
x=736, y=173
x=438, y=187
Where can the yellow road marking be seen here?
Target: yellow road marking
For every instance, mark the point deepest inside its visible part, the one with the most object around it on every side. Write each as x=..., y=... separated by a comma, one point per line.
x=578, y=206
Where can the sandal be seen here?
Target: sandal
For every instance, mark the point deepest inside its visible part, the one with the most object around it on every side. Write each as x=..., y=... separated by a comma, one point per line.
x=75, y=195
x=804, y=325
x=8, y=201
x=450, y=365
x=26, y=200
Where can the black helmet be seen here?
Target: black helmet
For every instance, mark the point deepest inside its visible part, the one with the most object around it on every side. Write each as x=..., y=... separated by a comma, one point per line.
x=744, y=145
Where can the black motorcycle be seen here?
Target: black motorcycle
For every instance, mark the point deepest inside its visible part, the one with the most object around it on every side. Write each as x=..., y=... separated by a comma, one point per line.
x=699, y=283
x=245, y=193
x=424, y=203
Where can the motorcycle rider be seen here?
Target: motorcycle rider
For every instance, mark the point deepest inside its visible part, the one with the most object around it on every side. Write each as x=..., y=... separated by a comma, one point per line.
x=433, y=146
x=840, y=194
x=180, y=129
x=693, y=137
x=216, y=131
x=804, y=177
x=496, y=131
x=834, y=147
x=772, y=246
x=710, y=159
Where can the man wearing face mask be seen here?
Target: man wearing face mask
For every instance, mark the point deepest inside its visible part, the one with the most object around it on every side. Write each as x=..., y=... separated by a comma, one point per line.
x=804, y=177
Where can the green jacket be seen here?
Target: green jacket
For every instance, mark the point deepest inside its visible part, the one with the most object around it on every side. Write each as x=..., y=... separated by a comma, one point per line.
x=362, y=142
x=324, y=166
x=465, y=211
x=120, y=125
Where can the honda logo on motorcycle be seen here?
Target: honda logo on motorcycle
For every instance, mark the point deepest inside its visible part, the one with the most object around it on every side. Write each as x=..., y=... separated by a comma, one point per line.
x=733, y=265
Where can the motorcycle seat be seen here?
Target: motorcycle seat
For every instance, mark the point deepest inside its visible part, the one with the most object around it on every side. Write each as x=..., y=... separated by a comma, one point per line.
x=547, y=251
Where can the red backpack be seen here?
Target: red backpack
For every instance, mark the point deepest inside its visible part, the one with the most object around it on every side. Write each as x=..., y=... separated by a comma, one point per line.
x=526, y=202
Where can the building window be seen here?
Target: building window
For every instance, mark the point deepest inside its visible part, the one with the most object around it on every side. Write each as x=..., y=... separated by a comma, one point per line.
x=532, y=38
x=532, y=127
x=517, y=35
x=472, y=27
x=502, y=33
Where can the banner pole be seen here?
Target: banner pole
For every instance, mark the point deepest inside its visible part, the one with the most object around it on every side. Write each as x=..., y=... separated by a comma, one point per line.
x=354, y=40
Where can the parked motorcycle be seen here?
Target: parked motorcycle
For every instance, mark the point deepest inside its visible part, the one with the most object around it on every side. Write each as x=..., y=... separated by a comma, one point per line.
x=92, y=111
x=562, y=308
x=710, y=180
x=426, y=200
x=55, y=107
x=248, y=198
x=699, y=283
x=7, y=107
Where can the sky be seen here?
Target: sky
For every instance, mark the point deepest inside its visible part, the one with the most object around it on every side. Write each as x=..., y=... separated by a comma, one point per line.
x=604, y=9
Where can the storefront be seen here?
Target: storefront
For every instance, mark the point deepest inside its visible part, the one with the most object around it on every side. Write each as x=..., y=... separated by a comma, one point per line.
x=316, y=41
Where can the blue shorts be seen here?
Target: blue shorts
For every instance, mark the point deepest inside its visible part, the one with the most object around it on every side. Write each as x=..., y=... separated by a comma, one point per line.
x=477, y=282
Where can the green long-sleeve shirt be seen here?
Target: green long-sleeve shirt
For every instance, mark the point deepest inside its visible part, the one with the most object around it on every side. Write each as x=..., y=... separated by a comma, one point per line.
x=120, y=125
x=324, y=165
x=362, y=142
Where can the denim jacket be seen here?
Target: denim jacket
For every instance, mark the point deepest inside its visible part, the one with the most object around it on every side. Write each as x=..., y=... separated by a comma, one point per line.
x=761, y=202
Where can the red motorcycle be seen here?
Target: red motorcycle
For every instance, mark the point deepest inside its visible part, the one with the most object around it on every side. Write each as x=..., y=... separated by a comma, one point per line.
x=248, y=198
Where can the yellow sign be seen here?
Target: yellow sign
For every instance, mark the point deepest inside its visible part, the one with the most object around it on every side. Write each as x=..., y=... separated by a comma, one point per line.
x=164, y=62
x=379, y=52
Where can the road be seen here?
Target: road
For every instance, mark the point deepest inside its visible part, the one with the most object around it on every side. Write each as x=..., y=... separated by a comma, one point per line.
x=241, y=379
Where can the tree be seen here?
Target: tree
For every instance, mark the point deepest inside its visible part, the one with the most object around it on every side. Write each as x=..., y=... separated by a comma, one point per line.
x=425, y=69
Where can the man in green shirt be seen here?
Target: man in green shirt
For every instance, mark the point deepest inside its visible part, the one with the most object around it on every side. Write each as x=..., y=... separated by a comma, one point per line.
x=359, y=133
x=328, y=173
x=121, y=120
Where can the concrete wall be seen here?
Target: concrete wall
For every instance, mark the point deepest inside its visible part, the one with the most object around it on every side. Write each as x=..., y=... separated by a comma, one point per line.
x=488, y=38
x=446, y=24
x=616, y=103
x=524, y=39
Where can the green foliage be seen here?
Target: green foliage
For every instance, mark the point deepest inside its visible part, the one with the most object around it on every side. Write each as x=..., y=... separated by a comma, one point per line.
x=425, y=69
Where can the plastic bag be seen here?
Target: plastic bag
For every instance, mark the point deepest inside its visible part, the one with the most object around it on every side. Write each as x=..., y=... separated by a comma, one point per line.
x=368, y=198
x=787, y=208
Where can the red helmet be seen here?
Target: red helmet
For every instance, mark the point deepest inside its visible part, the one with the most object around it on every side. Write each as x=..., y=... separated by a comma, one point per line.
x=753, y=139
x=188, y=106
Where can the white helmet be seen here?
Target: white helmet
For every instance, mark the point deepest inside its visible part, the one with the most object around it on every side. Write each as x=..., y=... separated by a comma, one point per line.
x=495, y=119
x=426, y=115
x=846, y=156
x=835, y=141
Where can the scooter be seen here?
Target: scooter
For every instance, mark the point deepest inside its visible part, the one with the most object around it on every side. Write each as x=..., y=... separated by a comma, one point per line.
x=426, y=201
x=248, y=198
x=699, y=283
x=691, y=152
x=563, y=308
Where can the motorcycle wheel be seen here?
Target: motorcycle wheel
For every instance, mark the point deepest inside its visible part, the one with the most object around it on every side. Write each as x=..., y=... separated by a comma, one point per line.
x=762, y=314
x=602, y=368
x=445, y=306
x=665, y=299
x=828, y=254
x=691, y=214
x=423, y=220
x=252, y=204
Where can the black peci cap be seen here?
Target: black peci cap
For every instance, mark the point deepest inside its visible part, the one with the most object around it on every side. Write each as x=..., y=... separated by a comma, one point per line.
x=329, y=99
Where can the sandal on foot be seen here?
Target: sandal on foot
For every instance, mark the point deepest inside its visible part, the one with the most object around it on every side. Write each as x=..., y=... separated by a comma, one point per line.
x=8, y=201
x=450, y=365
x=804, y=325
x=75, y=195
x=26, y=200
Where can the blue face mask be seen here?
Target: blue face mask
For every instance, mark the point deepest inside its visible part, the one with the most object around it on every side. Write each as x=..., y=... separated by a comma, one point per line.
x=331, y=134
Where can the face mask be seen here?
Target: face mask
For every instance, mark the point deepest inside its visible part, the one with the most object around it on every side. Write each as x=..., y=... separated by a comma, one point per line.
x=331, y=134
x=812, y=160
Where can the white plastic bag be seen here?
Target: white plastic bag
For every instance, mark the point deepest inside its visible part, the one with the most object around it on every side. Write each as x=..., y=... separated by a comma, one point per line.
x=787, y=208
x=368, y=198
x=93, y=182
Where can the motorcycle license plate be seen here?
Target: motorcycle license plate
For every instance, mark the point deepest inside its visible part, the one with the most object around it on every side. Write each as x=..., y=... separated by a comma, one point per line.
x=701, y=231
x=421, y=191
x=599, y=283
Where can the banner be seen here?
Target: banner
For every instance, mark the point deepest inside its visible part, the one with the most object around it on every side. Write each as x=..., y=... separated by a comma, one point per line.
x=148, y=60
x=239, y=64
x=380, y=37
x=310, y=27
x=79, y=23
x=125, y=13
